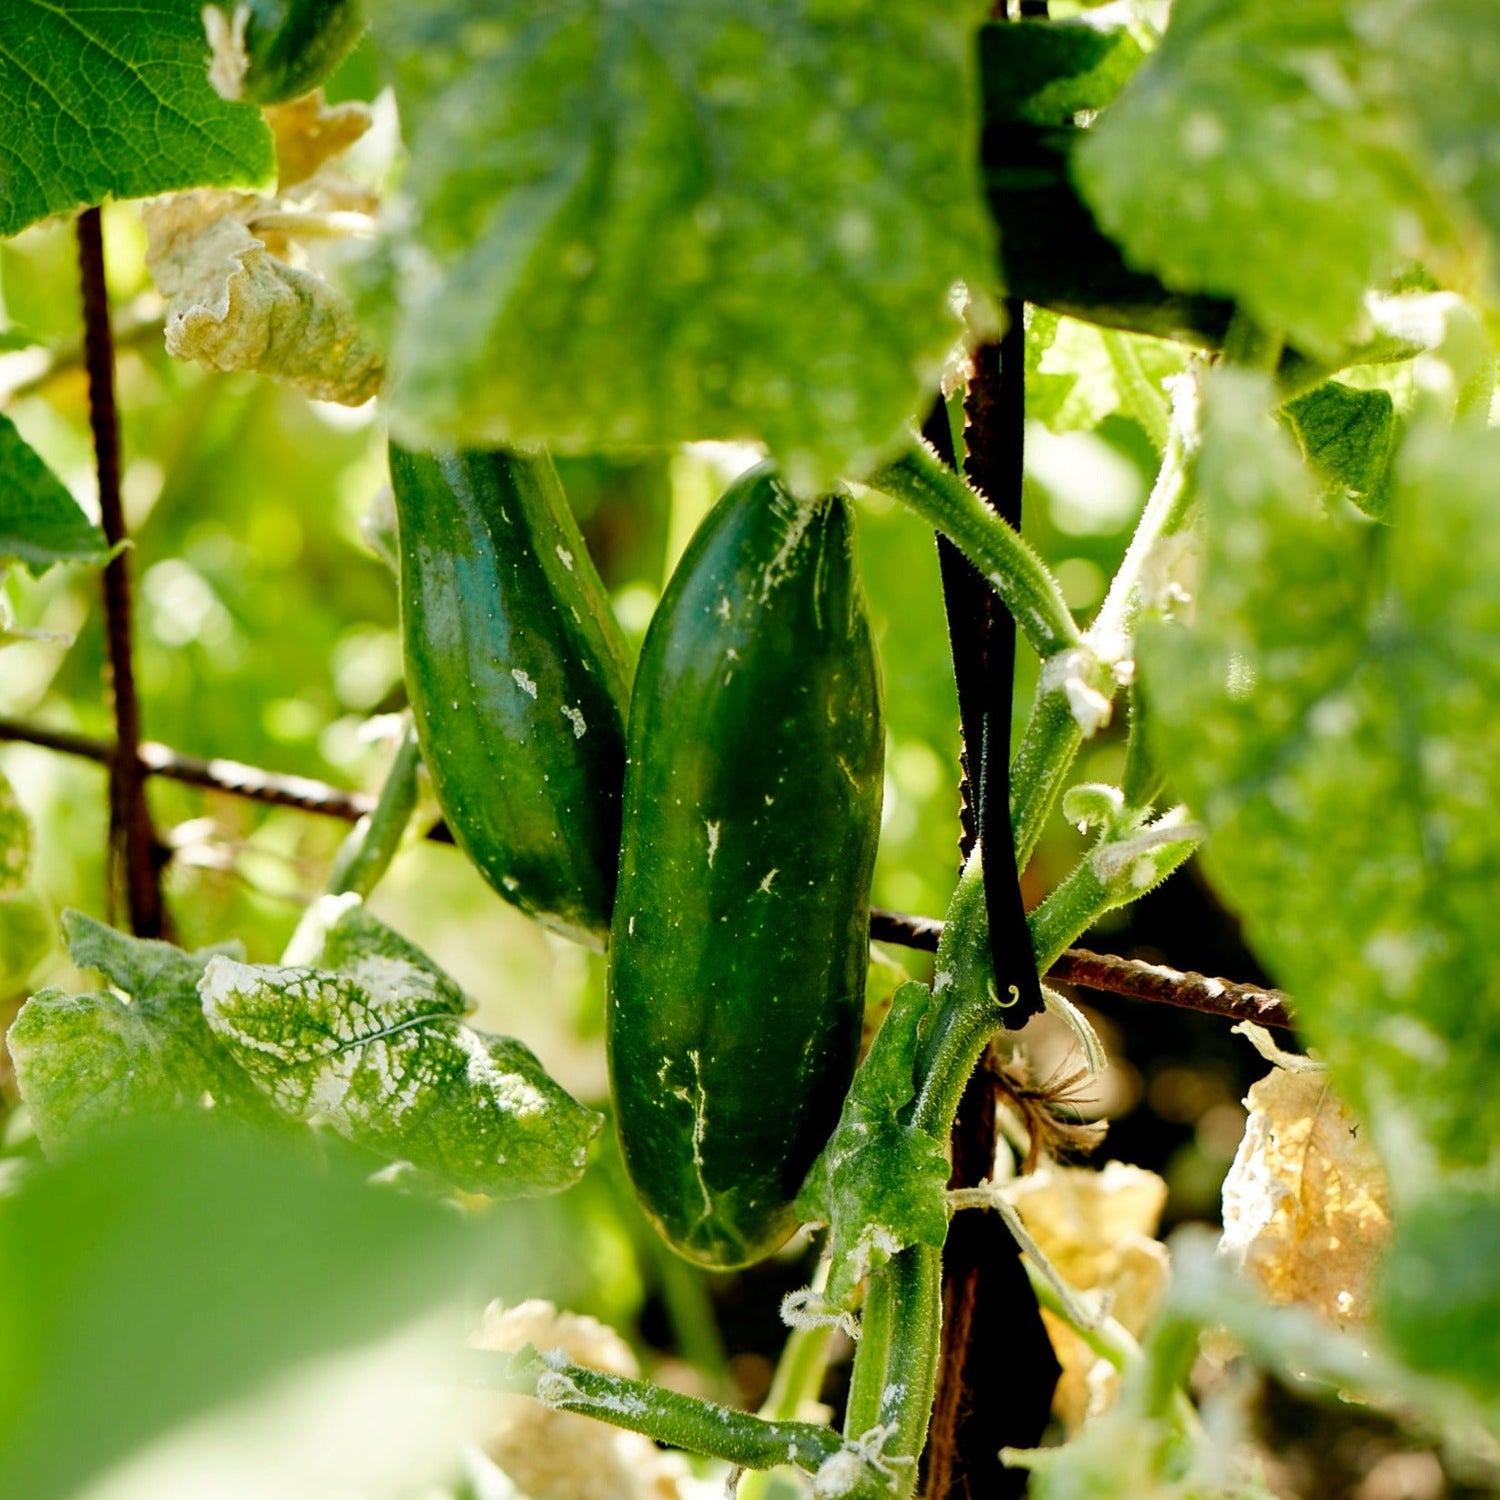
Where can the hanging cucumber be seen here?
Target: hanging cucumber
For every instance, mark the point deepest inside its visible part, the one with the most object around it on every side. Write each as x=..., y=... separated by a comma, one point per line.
x=517, y=674
x=752, y=809
x=270, y=51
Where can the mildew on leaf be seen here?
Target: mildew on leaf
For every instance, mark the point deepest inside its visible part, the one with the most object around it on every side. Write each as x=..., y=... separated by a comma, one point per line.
x=379, y=1052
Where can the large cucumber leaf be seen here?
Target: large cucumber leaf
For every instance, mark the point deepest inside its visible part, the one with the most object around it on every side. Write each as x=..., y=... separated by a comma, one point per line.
x=87, y=1063
x=1327, y=706
x=110, y=99
x=639, y=224
x=1248, y=158
x=378, y=1049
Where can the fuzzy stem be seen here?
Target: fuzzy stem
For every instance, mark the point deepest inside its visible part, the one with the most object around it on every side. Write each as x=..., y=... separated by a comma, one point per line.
x=1025, y=586
x=685, y=1422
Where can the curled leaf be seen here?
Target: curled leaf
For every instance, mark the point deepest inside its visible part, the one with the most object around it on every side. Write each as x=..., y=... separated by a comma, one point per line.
x=1306, y=1206
x=234, y=305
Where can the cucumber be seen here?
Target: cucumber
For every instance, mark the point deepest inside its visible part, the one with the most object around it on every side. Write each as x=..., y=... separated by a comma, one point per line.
x=752, y=810
x=518, y=676
x=272, y=51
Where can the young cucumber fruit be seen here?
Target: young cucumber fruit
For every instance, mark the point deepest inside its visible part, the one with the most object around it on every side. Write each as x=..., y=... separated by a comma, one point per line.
x=270, y=51
x=518, y=677
x=752, y=809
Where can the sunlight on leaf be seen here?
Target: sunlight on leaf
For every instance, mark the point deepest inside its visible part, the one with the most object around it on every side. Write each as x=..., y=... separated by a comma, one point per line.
x=102, y=99
x=660, y=222
x=380, y=1053
x=1326, y=704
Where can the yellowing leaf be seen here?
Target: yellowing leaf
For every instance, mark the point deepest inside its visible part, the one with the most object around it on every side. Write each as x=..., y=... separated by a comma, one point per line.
x=1097, y=1228
x=1306, y=1207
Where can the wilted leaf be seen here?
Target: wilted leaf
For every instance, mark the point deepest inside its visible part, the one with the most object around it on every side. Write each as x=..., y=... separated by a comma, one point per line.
x=40, y=522
x=86, y=1063
x=311, y=133
x=1306, y=1207
x=1097, y=1228
x=879, y=1183
x=628, y=225
x=234, y=305
x=381, y=1054
x=102, y=99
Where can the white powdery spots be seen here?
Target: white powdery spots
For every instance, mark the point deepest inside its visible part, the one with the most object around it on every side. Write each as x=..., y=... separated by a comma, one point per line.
x=565, y=557
x=797, y=522
x=526, y=683
x=1071, y=672
x=574, y=716
x=712, y=830
x=511, y=1093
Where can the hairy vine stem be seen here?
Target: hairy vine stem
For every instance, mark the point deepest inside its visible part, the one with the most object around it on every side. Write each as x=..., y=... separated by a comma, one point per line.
x=132, y=840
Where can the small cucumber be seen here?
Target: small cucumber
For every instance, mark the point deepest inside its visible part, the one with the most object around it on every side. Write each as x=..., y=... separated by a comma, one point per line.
x=271, y=51
x=518, y=676
x=752, y=810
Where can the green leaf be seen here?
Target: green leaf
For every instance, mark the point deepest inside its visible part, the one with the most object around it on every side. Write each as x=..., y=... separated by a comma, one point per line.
x=338, y=932
x=1350, y=438
x=1443, y=60
x=111, y=100
x=1244, y=159
x=167, y=1273
x=880, y=1182
x=15, y=839
x=1440, y=1298
x=381, y=1054
x=85, y=1063
x=40, y=522
x=27, y=934
x=641, y=224
x=1329, y=713
x=1045, y=72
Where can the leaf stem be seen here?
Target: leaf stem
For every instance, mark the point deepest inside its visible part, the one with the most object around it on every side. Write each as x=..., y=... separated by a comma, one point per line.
x=366, y=854
x=1029, y=591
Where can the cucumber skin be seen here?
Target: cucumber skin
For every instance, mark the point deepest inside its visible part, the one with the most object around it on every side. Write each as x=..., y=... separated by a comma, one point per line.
x=756, y=746
x=293, y=45
x=508, y=637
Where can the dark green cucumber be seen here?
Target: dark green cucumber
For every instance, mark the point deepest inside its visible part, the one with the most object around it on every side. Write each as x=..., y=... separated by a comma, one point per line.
x=752, y=810
x=276, y=50
x=517, y=674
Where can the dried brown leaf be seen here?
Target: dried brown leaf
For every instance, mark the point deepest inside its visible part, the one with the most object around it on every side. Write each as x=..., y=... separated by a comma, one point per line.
x=1306, y=1205
x=234, y=305
x=310, y=133
x=1097, y=1228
